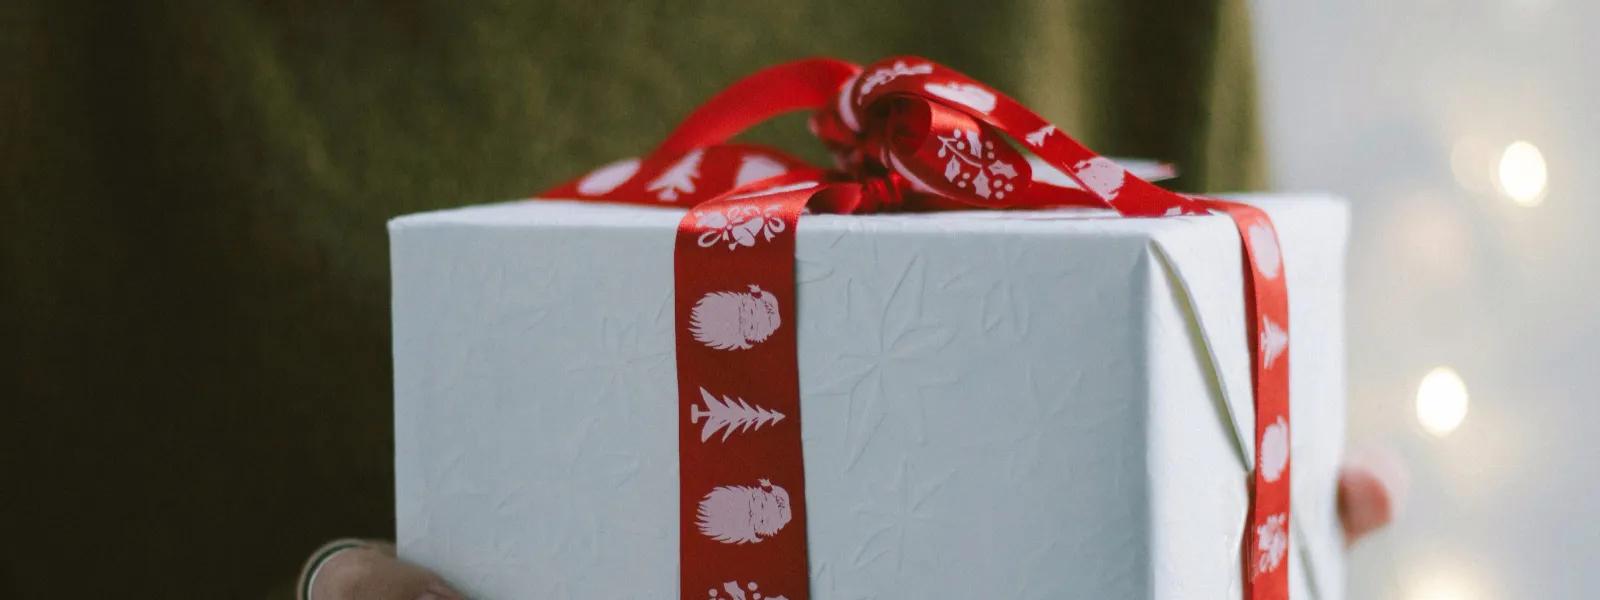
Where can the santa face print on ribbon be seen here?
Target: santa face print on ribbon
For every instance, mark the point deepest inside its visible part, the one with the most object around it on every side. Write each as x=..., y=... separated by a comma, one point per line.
x=742, y=514
x=735, y=320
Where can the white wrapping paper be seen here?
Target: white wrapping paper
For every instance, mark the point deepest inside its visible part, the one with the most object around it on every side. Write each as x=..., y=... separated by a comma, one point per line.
x=995, y=405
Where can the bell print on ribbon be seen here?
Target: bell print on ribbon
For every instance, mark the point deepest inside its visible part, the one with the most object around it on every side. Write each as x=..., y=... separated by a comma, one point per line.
x=731, y=590
x=735, y=320
x=741, y=514
x=738, y=225
x=729, y=415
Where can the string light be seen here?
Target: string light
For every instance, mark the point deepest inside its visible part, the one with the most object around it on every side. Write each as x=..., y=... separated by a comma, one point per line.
x=1521, y=174
x=1441, y=401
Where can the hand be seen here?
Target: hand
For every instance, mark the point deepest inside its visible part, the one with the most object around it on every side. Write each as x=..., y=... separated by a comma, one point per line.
x=1370, y=490
x=371, y=571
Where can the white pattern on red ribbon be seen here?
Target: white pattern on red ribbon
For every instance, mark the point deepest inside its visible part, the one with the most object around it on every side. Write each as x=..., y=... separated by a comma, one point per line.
x=738, y=226
x=735, y=320
x=1272, y=543
x=755, y=167
x=742, y=514
x=679, y=178
x=1274, y=340
x=1038, y=136
x=1101, y=175
x=729, y=415
x=1275, y=450
x=731, y=590
x=966, y=94
x=890, y=73
x=604, y=179
x=1264, y=247
x=971, y=161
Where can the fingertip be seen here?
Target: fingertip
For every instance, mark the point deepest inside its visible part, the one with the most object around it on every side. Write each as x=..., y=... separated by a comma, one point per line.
x=1366, y=502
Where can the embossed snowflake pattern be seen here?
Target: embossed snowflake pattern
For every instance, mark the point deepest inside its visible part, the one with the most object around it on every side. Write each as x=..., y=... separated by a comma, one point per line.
x=887, y=374
x=903, y=509
x=971, y=163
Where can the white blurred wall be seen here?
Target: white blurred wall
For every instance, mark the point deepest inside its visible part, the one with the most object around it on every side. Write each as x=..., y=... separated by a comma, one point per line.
x=1404, y=107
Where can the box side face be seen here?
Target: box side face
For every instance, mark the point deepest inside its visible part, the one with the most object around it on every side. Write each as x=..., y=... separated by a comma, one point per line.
x=974, y=414
x=1318, y=387
x=1202, y=416
x=535, y=456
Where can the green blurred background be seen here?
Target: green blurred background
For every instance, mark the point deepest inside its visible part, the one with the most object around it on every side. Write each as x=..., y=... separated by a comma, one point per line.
x=193, y=262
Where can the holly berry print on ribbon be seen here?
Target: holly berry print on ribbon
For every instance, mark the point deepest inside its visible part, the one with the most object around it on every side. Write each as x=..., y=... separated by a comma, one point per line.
x=731, y=590
x=907, y=134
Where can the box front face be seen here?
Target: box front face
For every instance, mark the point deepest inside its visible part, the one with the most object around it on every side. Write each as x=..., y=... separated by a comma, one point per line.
x=535, y=447
x=975, y=398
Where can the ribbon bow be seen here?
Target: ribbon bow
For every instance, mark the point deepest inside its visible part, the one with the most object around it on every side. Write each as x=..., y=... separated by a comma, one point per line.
x=906, y=134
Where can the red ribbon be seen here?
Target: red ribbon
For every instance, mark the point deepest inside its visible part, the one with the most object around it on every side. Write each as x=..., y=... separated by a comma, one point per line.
x=907, y=134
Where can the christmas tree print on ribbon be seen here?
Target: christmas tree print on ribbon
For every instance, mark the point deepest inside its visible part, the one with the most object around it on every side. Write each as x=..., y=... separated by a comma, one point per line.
x=679, y=178
x=730, y=415
x=1274, y=340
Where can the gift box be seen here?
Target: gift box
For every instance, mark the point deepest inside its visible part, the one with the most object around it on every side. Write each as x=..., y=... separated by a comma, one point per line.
x=1016, y=404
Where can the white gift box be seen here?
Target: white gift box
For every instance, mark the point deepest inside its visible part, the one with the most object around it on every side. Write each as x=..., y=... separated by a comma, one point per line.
x=994, y=404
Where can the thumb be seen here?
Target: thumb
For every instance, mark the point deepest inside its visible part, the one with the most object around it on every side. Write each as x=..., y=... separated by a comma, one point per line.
x=373, y=572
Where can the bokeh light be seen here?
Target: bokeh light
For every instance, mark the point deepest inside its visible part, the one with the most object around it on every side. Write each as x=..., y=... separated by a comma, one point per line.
x=1442, y=586
x=1441, y=401
x=1521, y=175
